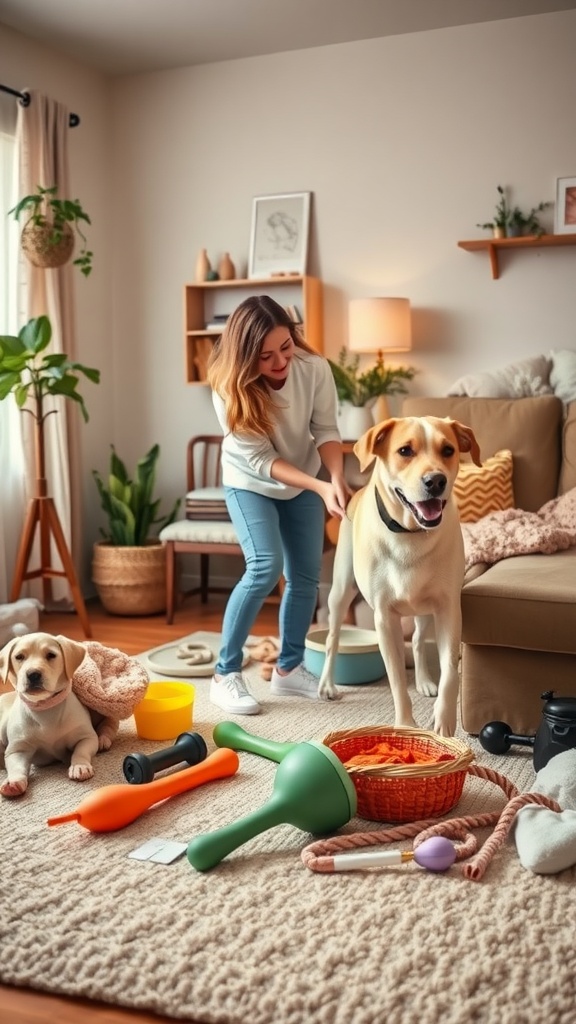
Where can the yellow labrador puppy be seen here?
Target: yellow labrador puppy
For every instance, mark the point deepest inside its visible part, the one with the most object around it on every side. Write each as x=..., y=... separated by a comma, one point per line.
x=401, y=545
x=43, y=720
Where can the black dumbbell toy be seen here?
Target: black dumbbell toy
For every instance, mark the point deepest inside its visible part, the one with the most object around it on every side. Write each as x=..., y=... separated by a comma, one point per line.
x=497, y=738
x=189, y=747
x=556, y=732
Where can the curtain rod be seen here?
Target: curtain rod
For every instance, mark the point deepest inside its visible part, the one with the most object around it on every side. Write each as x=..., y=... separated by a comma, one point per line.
x=24, y=98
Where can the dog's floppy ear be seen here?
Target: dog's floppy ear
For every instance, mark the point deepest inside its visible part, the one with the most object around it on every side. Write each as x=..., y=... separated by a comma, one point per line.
x=466, y=440
x=73, y=654
x=366, y=446
x=7, y=673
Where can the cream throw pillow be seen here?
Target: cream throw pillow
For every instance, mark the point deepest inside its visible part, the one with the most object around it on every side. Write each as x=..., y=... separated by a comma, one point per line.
x=480, y=490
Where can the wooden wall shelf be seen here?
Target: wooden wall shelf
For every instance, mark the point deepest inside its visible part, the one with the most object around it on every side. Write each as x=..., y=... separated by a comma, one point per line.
x=494, y=245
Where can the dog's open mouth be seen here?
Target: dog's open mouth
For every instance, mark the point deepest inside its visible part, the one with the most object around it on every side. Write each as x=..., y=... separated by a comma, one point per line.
x=427, y=514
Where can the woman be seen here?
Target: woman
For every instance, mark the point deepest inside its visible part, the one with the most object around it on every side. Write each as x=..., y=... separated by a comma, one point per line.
x=276, y=400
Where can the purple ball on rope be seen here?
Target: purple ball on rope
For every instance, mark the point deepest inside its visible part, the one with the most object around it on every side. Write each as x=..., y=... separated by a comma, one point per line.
x=435, y=854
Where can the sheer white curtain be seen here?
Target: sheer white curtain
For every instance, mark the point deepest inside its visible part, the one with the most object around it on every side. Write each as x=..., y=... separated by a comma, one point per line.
x=12, y=469
x=42, y=134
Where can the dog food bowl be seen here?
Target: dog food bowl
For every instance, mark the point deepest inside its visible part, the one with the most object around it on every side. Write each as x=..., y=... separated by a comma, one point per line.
x=165, y=711
x=358, y=660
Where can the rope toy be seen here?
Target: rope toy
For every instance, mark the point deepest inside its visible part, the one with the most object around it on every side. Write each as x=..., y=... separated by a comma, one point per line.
x=195, y=654
x=319, y=856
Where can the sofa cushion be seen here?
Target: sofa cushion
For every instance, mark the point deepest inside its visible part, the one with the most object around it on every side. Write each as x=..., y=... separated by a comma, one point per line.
x=529, y=427
x=517, y=380
x=480, y=490
x=563, y=373
x=527, y=602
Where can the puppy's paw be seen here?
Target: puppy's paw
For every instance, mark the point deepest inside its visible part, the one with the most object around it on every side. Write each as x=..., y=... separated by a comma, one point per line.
x=104, y=741
x=14, y=787
x=80, y=772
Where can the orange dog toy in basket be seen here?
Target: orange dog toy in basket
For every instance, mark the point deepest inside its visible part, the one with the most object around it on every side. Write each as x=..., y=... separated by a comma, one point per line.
x=402, y=774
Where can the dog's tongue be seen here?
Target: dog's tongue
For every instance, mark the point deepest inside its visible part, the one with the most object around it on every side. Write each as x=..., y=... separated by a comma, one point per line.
x=430, y=509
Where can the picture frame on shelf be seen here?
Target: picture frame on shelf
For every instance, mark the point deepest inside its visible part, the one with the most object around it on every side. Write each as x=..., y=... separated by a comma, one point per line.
x=279, y=235
x=565, y=209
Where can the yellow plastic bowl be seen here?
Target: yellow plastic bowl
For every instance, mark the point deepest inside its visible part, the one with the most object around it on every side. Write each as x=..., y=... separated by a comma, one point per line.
x=165, y=711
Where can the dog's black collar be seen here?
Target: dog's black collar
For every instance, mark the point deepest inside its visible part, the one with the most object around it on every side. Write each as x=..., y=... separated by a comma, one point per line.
x=383, y=513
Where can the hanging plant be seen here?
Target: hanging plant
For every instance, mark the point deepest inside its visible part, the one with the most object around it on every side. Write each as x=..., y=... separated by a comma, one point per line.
x=48, y=236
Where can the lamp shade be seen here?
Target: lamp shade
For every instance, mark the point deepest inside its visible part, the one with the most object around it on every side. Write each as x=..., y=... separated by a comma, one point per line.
x=377, y=324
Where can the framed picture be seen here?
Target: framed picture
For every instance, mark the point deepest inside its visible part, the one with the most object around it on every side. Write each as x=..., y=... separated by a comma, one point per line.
x=279, y=236
x=565, y=212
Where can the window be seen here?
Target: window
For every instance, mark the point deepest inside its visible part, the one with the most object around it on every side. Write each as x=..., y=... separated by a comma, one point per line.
x=11, y=453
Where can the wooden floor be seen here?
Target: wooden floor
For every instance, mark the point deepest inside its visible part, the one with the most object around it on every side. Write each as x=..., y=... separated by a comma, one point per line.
x=131, y=635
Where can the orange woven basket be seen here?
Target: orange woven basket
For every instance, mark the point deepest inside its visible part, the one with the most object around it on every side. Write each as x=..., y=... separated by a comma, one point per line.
x=404, y=792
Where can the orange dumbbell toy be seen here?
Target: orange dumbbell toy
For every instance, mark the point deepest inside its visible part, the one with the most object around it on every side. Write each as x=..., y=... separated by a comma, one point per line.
x=113, y=807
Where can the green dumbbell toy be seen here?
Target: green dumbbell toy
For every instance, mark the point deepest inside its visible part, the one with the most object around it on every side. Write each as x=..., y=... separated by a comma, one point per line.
x=312, y=791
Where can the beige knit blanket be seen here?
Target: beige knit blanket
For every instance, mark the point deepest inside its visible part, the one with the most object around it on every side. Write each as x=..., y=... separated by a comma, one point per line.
x=516, y=532
x=109, y=681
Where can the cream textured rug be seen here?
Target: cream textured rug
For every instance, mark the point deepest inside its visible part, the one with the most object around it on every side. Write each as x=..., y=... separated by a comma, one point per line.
x=260, y=939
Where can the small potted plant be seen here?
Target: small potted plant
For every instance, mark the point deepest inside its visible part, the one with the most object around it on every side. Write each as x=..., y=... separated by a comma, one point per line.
x=359, y=390
x=47, y=236
x=526, y=223
x=129, y=564
x=362, y=389
x=499, y=223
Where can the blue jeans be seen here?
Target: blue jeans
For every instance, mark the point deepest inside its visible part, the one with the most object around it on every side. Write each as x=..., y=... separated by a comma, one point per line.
x=276, y=537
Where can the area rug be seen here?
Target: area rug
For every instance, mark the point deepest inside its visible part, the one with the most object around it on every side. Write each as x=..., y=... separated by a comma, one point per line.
x=260, y=939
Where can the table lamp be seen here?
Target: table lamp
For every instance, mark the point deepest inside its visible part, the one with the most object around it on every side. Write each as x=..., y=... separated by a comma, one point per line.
x=379, y=324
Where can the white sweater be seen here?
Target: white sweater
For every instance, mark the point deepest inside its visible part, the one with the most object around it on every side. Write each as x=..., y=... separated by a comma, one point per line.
x=305, y=417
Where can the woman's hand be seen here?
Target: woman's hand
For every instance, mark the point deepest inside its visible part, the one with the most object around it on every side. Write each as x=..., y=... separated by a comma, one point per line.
x=336, y=495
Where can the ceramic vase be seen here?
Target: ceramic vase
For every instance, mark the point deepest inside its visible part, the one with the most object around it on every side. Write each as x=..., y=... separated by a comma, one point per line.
x=226, y=268
x=203, y=266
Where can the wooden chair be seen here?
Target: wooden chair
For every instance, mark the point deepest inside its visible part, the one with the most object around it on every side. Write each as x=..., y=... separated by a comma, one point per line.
x=207, y=529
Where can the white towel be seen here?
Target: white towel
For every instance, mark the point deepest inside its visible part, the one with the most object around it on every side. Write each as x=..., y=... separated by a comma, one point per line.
x=546, y=840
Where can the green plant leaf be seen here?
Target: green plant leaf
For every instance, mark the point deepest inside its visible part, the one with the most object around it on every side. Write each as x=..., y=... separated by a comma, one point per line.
x=129, y=504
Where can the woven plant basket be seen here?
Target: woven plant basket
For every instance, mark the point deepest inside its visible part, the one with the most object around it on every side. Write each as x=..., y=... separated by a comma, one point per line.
x=41, y=250
x=130, y=580
x=403, y=792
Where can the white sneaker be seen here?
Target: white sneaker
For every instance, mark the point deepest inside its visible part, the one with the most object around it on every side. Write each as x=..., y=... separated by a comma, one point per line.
x=231, y=694
x=298, y=683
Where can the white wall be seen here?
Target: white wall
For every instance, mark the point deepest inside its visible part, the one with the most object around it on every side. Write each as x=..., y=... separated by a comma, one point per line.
x=402, y=141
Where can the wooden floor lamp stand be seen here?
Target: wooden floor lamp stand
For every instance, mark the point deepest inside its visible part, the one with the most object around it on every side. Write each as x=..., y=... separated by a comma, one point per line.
x=42, y=513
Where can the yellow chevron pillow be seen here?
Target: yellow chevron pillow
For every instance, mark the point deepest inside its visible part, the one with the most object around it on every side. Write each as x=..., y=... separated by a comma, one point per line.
x=482, y=489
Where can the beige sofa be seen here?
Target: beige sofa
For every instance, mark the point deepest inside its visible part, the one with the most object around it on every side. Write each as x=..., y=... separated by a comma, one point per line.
x=519, y=616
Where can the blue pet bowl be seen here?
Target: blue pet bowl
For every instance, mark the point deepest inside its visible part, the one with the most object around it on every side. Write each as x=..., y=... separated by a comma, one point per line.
x=358, y=660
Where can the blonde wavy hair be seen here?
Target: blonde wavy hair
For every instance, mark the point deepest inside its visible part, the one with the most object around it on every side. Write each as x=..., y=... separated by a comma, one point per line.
x=233, y=367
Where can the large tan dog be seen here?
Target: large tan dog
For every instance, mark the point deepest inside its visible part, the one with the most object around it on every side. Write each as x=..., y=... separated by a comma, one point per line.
x=43, y=720
x=401, y=546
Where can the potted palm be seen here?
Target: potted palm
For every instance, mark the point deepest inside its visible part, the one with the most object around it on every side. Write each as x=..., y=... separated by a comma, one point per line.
x=48, y=237
x=129, y=564
x=358, y=391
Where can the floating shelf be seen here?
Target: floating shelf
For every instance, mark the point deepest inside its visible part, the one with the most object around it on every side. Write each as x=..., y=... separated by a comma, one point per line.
x=493, y=245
